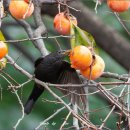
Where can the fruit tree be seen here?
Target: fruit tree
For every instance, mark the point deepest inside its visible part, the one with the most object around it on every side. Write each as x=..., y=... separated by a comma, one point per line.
x=64, y=64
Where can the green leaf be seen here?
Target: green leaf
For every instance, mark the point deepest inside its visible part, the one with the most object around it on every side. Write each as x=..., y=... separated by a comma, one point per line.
x=2, y=36
x=81, y=37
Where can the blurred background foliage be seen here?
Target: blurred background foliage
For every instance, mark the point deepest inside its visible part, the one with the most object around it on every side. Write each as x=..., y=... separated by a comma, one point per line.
x=10, y=109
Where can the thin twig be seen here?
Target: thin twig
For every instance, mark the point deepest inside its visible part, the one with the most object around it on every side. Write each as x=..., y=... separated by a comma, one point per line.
x=50, y=117
x=20, y=85
x=114, y=76
x=65, y=120
x=96, y=5
x=6, y=79
x=56, y=102
x=9, y=77
x=113, y=99
x=121, y=22
x=36, y=38
x=22, y=107
x=64, y=4
x=104, y=121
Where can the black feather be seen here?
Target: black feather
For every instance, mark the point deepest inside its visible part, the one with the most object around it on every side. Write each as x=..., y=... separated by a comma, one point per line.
x=35, y=94
x=53, y=69
x=70, y=76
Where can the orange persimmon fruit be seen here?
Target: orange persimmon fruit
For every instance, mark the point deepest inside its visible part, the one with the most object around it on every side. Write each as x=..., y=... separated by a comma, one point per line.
x=118, y=5
x=80, y=57
x=95, y=71
x=62, y=23
x=20, y=9
x=3, y=49
x=27, y=1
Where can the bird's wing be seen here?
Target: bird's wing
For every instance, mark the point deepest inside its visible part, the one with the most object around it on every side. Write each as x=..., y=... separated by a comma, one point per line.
x=70, y=76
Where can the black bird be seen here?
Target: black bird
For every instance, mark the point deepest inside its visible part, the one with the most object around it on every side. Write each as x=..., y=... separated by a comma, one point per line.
x=53, y=69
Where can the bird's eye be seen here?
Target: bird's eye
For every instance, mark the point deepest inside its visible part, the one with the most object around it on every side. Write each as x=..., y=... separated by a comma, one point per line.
x=59, y=52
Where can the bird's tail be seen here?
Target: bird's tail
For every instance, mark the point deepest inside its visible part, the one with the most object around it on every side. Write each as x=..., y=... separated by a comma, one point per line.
x=35, y=94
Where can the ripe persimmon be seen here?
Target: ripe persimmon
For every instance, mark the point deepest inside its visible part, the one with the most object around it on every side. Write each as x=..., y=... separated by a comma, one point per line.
x=27, y=1
x=20, y=9
x=3, y=49
x=95, y=71
x=80, y=57
x=118, y=5
x=62, y=23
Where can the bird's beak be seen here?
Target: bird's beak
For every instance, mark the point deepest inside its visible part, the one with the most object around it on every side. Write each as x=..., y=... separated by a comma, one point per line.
x=66, y=52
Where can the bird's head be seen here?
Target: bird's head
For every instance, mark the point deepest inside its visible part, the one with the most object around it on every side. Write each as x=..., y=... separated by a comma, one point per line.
x=63, y=53
x=52, y=57
x=59, y=55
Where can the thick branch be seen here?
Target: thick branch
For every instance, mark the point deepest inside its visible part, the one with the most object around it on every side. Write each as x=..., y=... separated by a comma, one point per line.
x=41, y=29
x=51, y=1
